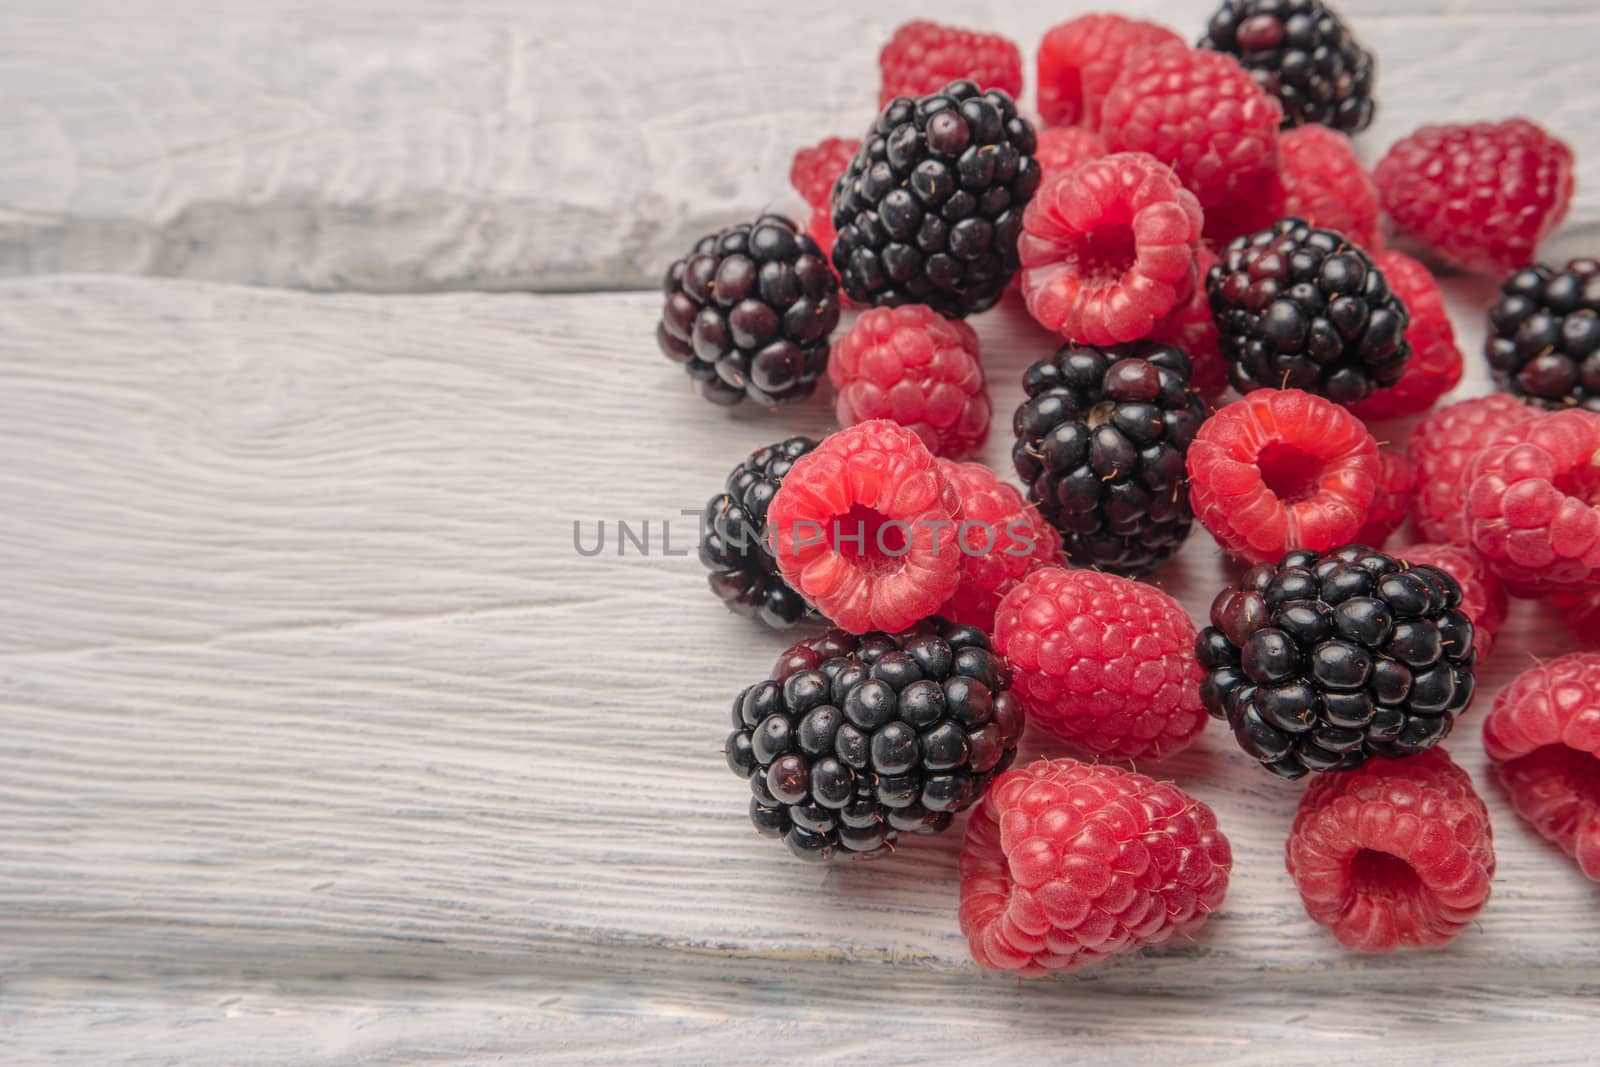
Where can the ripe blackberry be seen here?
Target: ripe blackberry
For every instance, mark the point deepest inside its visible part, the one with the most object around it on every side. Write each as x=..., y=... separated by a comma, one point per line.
x=930, y=208
x=1101, y=442
x=1544, y=335
x=733, y=542
x=749, y=311
x=1300, y=52
x=855, y=739
x=1302, y=308
x=1321, y=662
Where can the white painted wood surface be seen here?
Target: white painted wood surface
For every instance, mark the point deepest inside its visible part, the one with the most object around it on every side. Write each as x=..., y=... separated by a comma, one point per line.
x=319, y=744
x=554, y=144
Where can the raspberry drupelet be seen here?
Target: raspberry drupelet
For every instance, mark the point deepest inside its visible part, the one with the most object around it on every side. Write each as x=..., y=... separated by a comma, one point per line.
x=1282, y=470
x=1544, y=739
x=924, y=55
x=1002, y=537
x=1442, y=445
x=1080, y=59
x=1435, y=366
x=1103, y=662
x=1065, y=864
x=1109, y=249
x=915, y=367
x=1061, y=148
x=1391, y=504
x=816, y=167
x=1398, y=854
x=865, y=526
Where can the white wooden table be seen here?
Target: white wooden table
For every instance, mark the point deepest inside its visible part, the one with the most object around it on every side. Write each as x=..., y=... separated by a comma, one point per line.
x=319, y=744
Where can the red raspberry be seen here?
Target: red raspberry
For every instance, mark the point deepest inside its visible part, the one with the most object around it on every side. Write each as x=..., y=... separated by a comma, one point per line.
x=1581, y=610
x=1193, y=328
x=1396, y=854
x=1061, y=148
x=1442, y=445
x=816, y=167
x=864, y=527
x=913, y=366
x=1248, y=212
x=1391, y=504
x=1435, y=365
x=1001, y=538
x=1481, y=197
x=1483, y=598
x=1079, y=60
x=1067, y=863
x=1104, y=662
x=1544, y=738
x=1280, y=470
x=923, y=56
x=1533, y=503
x=1321, y=180
x=1200, y=112
x=1109, y=249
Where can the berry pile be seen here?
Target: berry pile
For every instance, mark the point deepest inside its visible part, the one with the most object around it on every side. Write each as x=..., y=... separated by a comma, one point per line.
x=1187, y=221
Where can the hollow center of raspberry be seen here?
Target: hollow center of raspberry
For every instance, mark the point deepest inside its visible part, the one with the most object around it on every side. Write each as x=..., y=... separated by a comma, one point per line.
x=869, y=540
x=1107, y=253
x=1289, y=473
x=1375, y=873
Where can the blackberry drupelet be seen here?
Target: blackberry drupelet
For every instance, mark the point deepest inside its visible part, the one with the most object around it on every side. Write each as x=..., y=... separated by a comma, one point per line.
x=855, y=739
x=1302, y=308
x=1323, y=661
x=1300, y=52
x=1101, y=443
x=733, y=543
x=929, y=210
x=749, y=311
x=1544, y=335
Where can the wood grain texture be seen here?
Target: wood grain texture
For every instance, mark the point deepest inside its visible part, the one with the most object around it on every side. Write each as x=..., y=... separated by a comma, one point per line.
x=416, y=145
x=311, y=712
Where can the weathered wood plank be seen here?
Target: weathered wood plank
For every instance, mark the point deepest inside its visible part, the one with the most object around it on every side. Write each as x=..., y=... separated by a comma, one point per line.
x=493, y=145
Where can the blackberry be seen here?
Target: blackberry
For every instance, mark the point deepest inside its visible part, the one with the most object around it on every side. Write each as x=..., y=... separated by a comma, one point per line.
x=733, y=541
x=749, y=311
x=1322, y=661
x=1302, y=308
x=1300, y=52
x=930, y=209
x=1101, y=442
x=1544, y=335
x=857, y=738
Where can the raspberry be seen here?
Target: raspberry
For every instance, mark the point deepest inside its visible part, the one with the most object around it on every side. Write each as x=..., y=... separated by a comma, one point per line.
x=1303, y=308
x=1544, y=738
x=1320, y=662
x=1391, y=504
x=1321, y=180
x=855, y=739
x=1533, y=503
x=864, y=527
x=816, y=167
x=1481, y=197
x=1442, y=445
x=1067, y=863
x=1063, y=147
x=1104, y=662
x=748, y=313
x=922, y=56
x=1301, y=53
x=1435, y=366
x=1080, y=59
x=930, y=209
x=1100, y=444
x=1544, y=335
x=1199, y=112
x=1483, y=598
x=912, y=366
x=1192, y=328
x=1394, y=855
x=1109, y=249
x=1001, y=538
x=1282, y=470
x=1581, y=610
x=744, y=576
